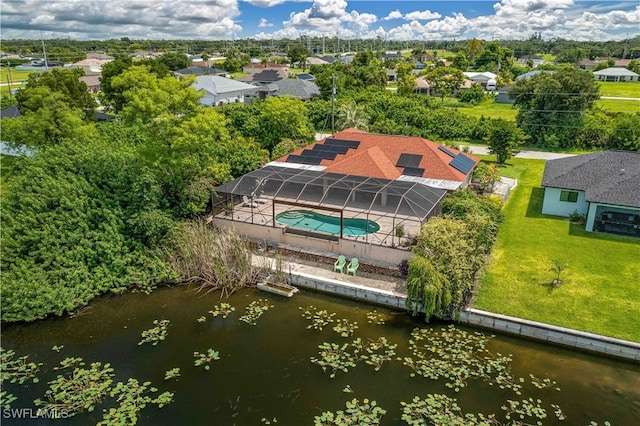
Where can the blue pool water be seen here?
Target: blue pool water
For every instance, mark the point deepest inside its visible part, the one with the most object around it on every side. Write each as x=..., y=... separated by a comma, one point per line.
x=312, y=221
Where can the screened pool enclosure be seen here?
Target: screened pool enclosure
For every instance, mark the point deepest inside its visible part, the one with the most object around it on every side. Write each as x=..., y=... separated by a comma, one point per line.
x=396, y=209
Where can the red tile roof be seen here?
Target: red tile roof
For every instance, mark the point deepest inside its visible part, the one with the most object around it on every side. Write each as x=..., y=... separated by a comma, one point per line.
x=377, y=156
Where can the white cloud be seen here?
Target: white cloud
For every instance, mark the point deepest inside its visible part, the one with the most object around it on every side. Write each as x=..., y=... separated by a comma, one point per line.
x=396, y=14
x=359, y=21
x=265, y=3
x=264, y=23
x=425, y=15
x=99, y=19
x=519, y=7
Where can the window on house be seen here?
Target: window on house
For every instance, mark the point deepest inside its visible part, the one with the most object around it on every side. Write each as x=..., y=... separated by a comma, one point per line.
x=569, y=196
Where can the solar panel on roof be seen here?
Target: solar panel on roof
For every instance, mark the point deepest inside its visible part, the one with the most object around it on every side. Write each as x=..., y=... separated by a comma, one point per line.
x=413, y=171
x=447, y=151
x=462, y=163
x=303, y=159
x=310, y=160
x=331, y=148
x=322, y=154
x=409, y=160
x=342, y=142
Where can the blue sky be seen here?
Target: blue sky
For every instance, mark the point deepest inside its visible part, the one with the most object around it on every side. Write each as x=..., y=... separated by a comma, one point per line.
x=267, y=19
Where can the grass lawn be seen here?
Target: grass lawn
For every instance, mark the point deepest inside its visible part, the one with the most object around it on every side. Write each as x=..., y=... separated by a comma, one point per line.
x=16, y=79
x=491, y=109
x=629, y=89
x=600, y=290
x=617, y=105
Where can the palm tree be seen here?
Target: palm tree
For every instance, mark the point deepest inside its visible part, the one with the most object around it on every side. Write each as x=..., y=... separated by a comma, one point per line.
x=352, y=115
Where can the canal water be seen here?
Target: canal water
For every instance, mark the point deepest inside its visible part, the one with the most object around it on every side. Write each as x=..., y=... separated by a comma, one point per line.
x=265, y=370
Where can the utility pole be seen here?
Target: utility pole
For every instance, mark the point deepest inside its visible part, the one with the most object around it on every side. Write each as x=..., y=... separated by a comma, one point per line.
x=9, y=77
x=322, y=44
x=44, y=53
x=333, y=100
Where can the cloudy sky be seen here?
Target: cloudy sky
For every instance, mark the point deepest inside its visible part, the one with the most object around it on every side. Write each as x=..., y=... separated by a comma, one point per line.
x=274, y=19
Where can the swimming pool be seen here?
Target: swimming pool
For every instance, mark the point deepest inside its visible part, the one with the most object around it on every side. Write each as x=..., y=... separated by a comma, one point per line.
x=312, y=221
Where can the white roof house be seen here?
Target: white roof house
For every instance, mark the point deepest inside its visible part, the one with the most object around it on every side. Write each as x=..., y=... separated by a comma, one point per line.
x=220, y=90
x=535, y=59
x=615, y=74
x=481, y=77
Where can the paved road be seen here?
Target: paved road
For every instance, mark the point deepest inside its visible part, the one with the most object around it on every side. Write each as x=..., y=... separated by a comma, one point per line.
x=538, y=155
x=620, y=99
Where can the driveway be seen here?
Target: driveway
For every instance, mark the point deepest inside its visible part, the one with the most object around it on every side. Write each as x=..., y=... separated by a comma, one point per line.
x=538, y=155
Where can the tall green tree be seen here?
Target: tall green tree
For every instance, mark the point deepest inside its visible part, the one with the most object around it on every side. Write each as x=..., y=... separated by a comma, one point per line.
x=282, y=117
x=112, y=96
x=445, y=80
x=47, y=120
x=175, y=61
x=551, y=106
x=148, y=97
x=298, y=53
x=406, y=78
x=503, y=139
x=64, y=82
x=352, y=115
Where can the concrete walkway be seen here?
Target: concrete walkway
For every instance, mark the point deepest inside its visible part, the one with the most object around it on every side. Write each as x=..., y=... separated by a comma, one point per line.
x=323, y=270
x=537, y=155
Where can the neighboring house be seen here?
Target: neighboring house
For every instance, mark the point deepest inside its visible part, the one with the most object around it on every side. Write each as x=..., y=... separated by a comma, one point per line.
x=329, y=59
x=92, y=80
x=100, y=55
x=312, y=60
x=391, y=56
x=482, y=78
x=220, y=90
x=423, y=87
x=392, y=74
x=201, y=70
x=536, y=60
x=296, y=88
x=11, y=112
x=503, y=95
x=586, y=64
x=615, y=74
x=146, y=54
x=254, y=68
x=603, y=186
x=267, y=76
x=292, y=87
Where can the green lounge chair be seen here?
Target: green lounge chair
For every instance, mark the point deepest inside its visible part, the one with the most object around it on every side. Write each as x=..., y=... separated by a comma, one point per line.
x=353, y=266
x=339, y=264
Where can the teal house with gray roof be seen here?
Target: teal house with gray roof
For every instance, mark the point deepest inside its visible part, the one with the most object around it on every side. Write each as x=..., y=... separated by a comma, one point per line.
x=603, y=186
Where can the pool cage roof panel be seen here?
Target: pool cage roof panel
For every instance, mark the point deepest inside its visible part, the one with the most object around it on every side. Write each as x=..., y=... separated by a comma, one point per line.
x=349, y=192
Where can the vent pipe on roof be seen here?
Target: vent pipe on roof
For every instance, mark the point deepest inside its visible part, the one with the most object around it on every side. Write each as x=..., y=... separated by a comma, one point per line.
x=621, y=172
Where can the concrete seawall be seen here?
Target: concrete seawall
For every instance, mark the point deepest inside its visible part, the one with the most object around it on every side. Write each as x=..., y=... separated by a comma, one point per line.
x=353, y=291
x=552, y=334
x=579, y=340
